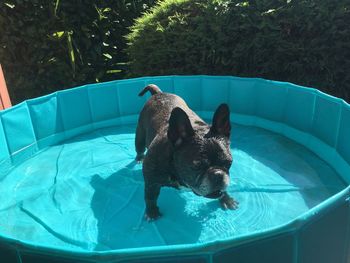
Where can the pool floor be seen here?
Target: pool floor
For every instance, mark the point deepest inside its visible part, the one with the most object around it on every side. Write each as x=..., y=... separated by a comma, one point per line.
x=87, y=193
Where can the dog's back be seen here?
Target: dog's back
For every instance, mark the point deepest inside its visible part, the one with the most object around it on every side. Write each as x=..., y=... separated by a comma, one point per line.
x=155, y=114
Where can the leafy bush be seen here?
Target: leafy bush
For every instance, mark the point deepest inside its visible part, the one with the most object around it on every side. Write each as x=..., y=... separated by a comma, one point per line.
x=305, y=42
x=50, y=45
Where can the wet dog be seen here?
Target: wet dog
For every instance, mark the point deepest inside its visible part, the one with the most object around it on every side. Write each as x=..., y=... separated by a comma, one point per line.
x=182, y=150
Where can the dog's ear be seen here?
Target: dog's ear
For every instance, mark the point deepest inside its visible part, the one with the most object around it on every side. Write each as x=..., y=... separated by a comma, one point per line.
x=180, y=127
x=221, y=121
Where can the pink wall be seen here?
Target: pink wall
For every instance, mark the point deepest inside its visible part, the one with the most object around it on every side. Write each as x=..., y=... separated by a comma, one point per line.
x=5, y=101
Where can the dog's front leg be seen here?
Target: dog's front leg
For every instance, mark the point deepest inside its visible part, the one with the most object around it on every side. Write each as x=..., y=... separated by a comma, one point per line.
x=151, y=195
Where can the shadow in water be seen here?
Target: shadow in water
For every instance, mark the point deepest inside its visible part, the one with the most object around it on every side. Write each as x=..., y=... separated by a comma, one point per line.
x=118, y=207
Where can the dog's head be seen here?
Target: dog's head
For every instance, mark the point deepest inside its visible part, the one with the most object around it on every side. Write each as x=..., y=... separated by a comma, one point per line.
x=202, y=162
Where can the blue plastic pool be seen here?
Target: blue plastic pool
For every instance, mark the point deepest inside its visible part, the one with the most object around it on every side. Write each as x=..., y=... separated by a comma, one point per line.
x=72, y=192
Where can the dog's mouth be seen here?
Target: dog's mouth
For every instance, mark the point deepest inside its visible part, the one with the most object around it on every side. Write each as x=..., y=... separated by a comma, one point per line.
x=215, y=195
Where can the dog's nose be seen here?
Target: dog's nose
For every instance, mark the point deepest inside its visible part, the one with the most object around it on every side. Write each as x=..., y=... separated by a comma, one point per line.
x=219, y=173
x=220, y=178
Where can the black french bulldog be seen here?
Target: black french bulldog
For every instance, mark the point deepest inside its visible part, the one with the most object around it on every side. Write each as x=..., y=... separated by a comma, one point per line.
x=182, y=150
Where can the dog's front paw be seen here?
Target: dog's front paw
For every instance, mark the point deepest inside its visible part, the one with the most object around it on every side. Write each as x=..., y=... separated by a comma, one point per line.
x=139, y=158
x=152, y=214
x=227, y=202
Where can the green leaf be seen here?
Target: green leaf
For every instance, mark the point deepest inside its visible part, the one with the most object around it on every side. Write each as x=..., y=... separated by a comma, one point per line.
x=107, y=55
x=58, y=34
x=10, y=5
x=71, y=51
x=56, y=7
x=113, y=71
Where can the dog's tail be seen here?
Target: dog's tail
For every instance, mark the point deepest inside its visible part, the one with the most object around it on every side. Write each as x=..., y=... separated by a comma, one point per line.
x=154, y=89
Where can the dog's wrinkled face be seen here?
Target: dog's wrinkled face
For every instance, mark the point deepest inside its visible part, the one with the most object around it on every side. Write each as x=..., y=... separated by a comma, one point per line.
x=202, y=162
x=203, y=165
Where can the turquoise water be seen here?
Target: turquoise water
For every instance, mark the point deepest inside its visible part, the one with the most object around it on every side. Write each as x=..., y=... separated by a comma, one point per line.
x=87, y=193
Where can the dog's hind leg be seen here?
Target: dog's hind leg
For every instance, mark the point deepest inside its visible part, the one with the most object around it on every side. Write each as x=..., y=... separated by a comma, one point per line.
x=140, y=143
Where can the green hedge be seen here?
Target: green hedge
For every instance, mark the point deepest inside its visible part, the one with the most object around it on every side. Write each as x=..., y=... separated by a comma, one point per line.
x=305, y=41
x=55, y=44
x=46, y=45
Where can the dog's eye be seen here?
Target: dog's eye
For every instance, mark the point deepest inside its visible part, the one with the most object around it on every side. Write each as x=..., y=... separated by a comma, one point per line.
x=200, y=164
x=228, y=163
x=196, y=163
